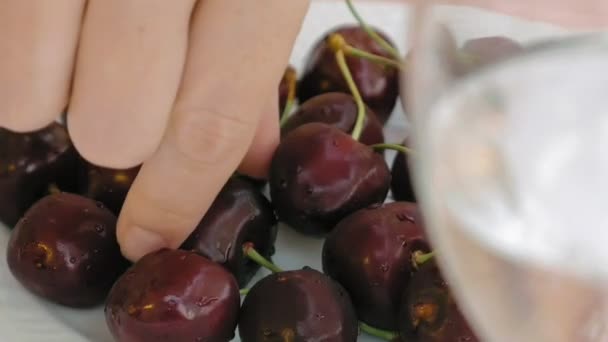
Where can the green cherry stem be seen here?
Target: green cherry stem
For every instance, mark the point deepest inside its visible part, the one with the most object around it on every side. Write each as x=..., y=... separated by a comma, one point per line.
x=419, y=257
x=244, y=292
x=370, y=31
x=383, y=334
x=336, y=43
x=354, y=52
x=252, y=254
x=396, y=147
x=291, y=96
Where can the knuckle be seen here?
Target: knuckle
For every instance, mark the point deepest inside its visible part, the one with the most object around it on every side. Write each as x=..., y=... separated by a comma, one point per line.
x=205, y=136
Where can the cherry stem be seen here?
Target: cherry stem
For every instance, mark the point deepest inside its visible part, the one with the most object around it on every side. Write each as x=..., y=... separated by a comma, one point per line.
x=53, y=189
x=396, y=147
x=252, y=254
x=370, y=31
x=337, y=44
x=354, y=52
x=243, y=291
x=383, y=334
x=291, y=95
x=420, y=257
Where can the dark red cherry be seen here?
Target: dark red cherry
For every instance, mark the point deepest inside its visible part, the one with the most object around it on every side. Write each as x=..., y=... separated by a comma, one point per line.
x=370, y=253
x=378, y=84
x=64, y=249
x=338, y=110
x=173, y=295
x=108, y=186
x=401, y=183
x=429, y=312
x=301, y=305
x=319, y=175
x=239, y=214
x=31, y=164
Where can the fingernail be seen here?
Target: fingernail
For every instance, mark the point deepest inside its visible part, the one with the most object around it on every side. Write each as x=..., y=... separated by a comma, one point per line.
x=138, y=242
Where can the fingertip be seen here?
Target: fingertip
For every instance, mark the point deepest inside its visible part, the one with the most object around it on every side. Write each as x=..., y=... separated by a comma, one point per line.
x=135, y=241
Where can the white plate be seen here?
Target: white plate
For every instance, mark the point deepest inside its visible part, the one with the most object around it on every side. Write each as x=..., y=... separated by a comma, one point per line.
x=25, y=318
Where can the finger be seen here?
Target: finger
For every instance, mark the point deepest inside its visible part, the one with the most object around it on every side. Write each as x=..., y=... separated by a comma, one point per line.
x=38, y=40
x=237, y=54
x=128, y=71
x=259, y=156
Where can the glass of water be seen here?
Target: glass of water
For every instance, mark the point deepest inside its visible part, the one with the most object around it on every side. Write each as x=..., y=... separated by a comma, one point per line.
x=508, y=102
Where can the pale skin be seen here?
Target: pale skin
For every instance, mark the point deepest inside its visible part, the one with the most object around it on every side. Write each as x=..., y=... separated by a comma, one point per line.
x=185, y=87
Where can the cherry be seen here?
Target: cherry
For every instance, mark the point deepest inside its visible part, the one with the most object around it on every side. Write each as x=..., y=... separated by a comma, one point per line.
x=378, y=84
x=371, y=254
x=299, y=305
x=108, y=186
x=240, y=214
x=173, y=295
x=401, y=184
x=30, y=164
x=288, y=81
x=64, y=249
x=429, y=312
x=319, y=175
x=338, y=110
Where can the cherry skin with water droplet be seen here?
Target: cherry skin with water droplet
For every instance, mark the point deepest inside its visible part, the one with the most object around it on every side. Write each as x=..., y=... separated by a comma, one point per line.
x=378, y=84
x=239, y=214
x=31, y=163
x=401, y=183
x=299, y=305
x=51, y=250
x=338, y=110
x=108, y=186
x=429, y=312
x=370, y=254
x=337, y=176
x=173, y=293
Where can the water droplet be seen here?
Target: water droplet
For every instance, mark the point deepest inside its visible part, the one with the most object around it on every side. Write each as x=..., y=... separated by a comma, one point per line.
x=99, y=228
x=99, y=205
x=72, y=260
x=183, y=257
x=85, y=210
x=298, y=169
x=326, y=111
x=87, y=268
x=40, y=266
x=319, y=316
x=405, y=217
x=172, y=302
x=281, y=278
x=200, y=339
x=204, y=301
x=54, y=268
x=403, y=240
x=24, y=220
x=464, y=338
x=283, y=183
x=384, y=268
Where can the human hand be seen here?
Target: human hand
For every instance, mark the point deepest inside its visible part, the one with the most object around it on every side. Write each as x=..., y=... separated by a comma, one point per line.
x=187, y=87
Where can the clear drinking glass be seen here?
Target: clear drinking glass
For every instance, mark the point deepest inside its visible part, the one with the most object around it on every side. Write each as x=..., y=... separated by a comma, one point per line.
x=511, y=161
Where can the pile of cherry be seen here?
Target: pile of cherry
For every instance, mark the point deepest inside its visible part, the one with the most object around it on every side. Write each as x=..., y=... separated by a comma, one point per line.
x=328, y=179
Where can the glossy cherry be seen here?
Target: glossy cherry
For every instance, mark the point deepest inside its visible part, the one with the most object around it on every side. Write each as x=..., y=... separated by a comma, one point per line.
x=30, y=164
x=300, y=305
x=338, y=110
x=319, y=175
x=429, y=312
x=401, y=183
x=173, y=295
x=108, y=186
x=239, y=214
x=64, y=249
x=378, y=84
x=370, y=253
